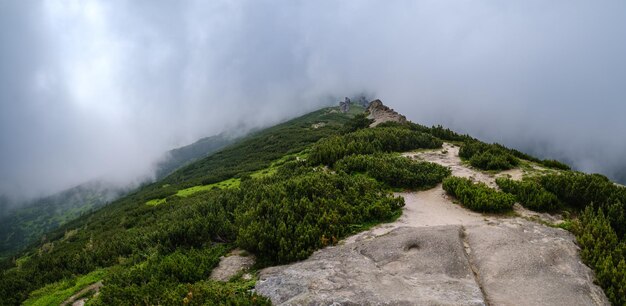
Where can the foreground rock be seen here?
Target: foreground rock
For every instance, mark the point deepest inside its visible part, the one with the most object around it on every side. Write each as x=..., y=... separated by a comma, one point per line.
x=525, y=263
x=408, y=266
x=507, y=262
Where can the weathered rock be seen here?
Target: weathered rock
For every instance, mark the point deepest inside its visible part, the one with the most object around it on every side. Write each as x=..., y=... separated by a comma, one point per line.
x=524, y=263
x=408, y=266
x=232, y=264
x=344, y=106
x=508, y=261
x=381, y=113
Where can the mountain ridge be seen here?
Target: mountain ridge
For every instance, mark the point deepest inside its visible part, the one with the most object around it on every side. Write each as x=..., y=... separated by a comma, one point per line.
x=301, y=187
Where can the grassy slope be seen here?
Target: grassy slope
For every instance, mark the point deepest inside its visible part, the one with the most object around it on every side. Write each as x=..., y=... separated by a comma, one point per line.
x=129, y=217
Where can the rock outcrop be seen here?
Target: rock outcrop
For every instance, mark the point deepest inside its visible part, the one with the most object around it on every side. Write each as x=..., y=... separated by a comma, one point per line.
x=381, y=113
x=513, y=262
x=344, y=106
x=408, y=266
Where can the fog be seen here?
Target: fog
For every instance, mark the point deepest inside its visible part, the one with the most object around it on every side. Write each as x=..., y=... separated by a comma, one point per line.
x=100, y=89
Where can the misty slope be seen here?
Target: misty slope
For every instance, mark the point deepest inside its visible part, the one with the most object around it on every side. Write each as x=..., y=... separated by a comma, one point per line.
x=26, y=223
x=179, y=157
x=111, y=232
x=283, y=193
x=23, y=225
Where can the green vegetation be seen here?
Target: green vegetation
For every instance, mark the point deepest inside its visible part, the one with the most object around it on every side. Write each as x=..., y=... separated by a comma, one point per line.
x=259, y=150
x=478, y=196
x=395, y=171
x=155, y=202
x=360, y=121
x=57, y=293
x=281, y=194
x=487, y=156
x=554, y=164
x=175, y=279
x=282, y=220
x=604, y=251
x=230, y=183
x=530, y=194
x=26, y=224
x=368, y=141
x=128, y=235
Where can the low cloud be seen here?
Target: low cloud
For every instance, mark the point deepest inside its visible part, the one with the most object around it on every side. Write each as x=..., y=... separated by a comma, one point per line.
x=100, y=89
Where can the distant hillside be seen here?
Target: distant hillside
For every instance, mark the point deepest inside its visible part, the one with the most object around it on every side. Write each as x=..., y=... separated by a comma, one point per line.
x=23, y=224
x=176, y=158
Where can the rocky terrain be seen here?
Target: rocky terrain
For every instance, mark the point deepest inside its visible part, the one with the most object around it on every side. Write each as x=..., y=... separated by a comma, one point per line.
x=439, y=253
x=381, y=113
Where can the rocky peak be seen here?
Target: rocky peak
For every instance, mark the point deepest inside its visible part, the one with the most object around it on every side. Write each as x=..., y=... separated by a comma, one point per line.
x=382, y=113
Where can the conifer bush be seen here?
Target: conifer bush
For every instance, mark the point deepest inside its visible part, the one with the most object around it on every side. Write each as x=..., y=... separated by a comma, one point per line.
x=395, y=171
x=368, y=141
x=478, y=196
x=530, y=194
x=286, y=220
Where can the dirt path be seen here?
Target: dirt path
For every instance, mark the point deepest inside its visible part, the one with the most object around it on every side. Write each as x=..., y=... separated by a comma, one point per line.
x=449, y=156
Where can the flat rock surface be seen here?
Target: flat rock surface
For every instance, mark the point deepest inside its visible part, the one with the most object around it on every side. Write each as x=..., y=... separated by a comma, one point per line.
x=408, y=266
x=525, y=263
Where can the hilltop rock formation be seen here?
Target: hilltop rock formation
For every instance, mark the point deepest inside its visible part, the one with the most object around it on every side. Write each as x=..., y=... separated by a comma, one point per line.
x=381, y=113
x=344, y=106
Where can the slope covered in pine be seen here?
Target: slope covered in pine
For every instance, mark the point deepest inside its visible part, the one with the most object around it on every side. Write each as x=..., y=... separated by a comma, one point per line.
x=26, y=223
x=283, y=193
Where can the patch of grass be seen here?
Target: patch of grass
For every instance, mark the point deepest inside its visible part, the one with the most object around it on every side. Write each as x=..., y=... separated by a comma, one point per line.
x=155, y=202
x=57, y=293
x=229, y=183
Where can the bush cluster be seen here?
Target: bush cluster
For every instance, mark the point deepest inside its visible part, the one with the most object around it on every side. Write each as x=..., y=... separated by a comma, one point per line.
x=478, y=196
x=368, y=141
x=395, y=171
x=436, y=131
x=175, y=279
x=530, y=194
x=604, y=251
x=487, y=156
x=286, y=220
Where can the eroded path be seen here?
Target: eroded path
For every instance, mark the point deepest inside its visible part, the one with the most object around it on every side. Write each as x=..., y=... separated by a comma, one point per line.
x=439, y=253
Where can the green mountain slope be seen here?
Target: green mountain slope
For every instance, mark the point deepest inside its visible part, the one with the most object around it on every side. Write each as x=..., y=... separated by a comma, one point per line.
x=21, y=226
x=281, y=194
x=27, y=223
x=179, y=157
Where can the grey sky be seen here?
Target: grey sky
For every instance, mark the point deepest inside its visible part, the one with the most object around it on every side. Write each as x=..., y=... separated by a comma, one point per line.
x=100, y=89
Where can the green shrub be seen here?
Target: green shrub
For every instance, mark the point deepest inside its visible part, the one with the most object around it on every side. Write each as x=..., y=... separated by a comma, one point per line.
x=555, y=164
x=604, y=252
x=286, y=220
x=176, y=279
x=359, y=121
x=478, y=196
x=436, y=131
x=487, y=156
x=367, y=141
x=530, y=194
x=395, y=171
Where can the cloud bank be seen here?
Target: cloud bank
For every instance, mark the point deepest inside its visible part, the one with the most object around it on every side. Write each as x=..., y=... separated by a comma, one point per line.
x=100, y=89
